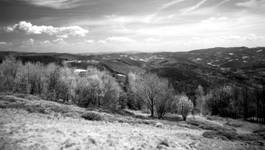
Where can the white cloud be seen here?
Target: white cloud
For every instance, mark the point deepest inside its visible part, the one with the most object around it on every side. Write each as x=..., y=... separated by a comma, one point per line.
x=212, y=26
x=194, y=7
x=102, y=41
x=169, y=4
x=31, y=41
x=90, y=41
x=152, y=40
x=252, y=4
x=62, y=32
x=58, y=40
x=64, y=36
x=56, y=4
x=120, y=39
x=150, y=18
x=128, y=19
x=46, y=42
x=3, y=43
x=249, y=37
x=222, y=3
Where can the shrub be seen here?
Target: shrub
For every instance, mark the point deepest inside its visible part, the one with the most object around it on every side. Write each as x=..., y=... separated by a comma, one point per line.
x=184, y=106
x=92, y=116
x=219, y=135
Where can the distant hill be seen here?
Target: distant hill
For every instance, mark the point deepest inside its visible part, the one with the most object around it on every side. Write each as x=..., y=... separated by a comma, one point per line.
x=211, y=67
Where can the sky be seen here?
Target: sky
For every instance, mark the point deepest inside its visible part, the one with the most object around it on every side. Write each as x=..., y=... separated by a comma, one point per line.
x=98, y=26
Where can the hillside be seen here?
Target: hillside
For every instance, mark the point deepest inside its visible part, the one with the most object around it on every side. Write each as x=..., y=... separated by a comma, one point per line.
x=28, y=122
x=208, y=67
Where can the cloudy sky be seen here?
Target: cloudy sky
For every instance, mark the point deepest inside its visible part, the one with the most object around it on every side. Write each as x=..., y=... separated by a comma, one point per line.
x=84, y=26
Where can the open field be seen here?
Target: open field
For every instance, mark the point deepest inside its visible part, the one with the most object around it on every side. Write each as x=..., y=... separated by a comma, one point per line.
x=28, y=122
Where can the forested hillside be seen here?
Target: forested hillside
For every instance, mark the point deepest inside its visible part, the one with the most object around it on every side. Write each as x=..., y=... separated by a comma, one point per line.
x=220, y=81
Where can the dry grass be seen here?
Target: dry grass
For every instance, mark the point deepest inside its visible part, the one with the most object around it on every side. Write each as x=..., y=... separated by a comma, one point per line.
x=23, y=129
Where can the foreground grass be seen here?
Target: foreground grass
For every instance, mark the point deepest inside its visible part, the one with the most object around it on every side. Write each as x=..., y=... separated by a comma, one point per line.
x=27, y=122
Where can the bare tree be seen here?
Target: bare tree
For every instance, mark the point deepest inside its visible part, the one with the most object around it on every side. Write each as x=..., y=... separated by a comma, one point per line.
x=8, y=72
x=200, y=99
x=154, y=91
x=184, y=106
x=164, y=101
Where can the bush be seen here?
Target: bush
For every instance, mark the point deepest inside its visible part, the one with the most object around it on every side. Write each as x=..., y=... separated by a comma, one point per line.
x=92, y=116
x=220, y=135
x=185, y=106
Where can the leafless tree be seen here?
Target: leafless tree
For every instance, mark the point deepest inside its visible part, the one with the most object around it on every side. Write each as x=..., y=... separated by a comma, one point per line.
x=155, y=92
x=184, y=106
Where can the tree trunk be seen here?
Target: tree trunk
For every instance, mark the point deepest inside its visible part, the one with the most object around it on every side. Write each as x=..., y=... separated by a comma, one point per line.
x=152, y=111
x=152, y=107
x=184, y=117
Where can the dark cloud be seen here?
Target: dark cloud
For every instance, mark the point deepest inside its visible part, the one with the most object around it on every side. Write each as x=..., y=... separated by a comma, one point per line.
x=16, y=10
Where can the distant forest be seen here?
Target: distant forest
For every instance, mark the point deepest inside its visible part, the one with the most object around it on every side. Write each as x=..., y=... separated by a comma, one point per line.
x=147, y=89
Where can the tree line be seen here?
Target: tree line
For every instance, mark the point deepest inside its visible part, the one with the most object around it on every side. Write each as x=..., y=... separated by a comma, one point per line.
x=144, y=91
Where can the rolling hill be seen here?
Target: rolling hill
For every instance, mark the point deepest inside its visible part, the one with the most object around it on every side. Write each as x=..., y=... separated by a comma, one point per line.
x=208, y=67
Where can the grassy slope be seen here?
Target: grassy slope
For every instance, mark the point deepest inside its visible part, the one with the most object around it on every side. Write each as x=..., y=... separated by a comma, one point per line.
x=27, y=122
